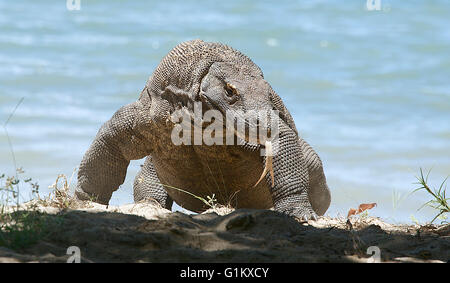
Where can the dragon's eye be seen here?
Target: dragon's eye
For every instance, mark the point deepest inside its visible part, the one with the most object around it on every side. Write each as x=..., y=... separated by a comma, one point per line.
x=231, y=90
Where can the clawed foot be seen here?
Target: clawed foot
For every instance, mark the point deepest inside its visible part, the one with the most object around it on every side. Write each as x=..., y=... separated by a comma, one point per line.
x=305, y=217
x=302, y=214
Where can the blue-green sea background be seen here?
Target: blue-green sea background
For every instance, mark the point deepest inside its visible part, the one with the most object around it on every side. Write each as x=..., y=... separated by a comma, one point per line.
x=370, y=90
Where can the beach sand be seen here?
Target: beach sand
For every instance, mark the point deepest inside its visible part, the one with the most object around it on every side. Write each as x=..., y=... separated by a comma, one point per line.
x=145, y=232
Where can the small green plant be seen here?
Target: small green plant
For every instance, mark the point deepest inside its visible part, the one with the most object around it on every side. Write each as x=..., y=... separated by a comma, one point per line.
x=9, y=188
x=439, y=201
x=18, y=228
x=397, y=198
x=364, y=215
x=210, y=201
x=21, y=228
x=414, y=220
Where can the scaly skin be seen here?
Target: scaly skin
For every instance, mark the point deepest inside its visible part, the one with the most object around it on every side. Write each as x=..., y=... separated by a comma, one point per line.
x=222, y=79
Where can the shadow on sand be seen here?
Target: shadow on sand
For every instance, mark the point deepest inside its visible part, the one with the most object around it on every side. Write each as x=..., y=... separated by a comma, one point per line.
x=244, y=235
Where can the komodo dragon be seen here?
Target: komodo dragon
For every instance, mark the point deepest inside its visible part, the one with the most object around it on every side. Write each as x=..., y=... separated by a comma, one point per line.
x=221, y=78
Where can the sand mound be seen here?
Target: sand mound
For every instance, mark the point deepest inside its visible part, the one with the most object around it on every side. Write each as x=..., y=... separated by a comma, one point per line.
x=145, y=232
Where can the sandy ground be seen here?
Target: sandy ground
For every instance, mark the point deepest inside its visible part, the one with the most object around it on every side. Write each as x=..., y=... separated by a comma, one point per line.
x=145, y=232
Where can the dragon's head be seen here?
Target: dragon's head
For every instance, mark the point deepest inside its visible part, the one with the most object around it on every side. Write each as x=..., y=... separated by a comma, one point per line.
x=240, y=91
x=233, y=87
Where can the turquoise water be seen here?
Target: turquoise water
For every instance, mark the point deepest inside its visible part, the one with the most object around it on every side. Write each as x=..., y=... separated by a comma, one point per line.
x=370, y=90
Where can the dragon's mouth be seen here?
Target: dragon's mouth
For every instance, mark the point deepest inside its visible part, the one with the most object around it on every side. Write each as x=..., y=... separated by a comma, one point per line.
x=237, y=117
x=207, y=104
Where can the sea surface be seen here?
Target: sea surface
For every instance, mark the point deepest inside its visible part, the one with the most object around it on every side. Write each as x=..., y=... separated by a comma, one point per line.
x=369, y=89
